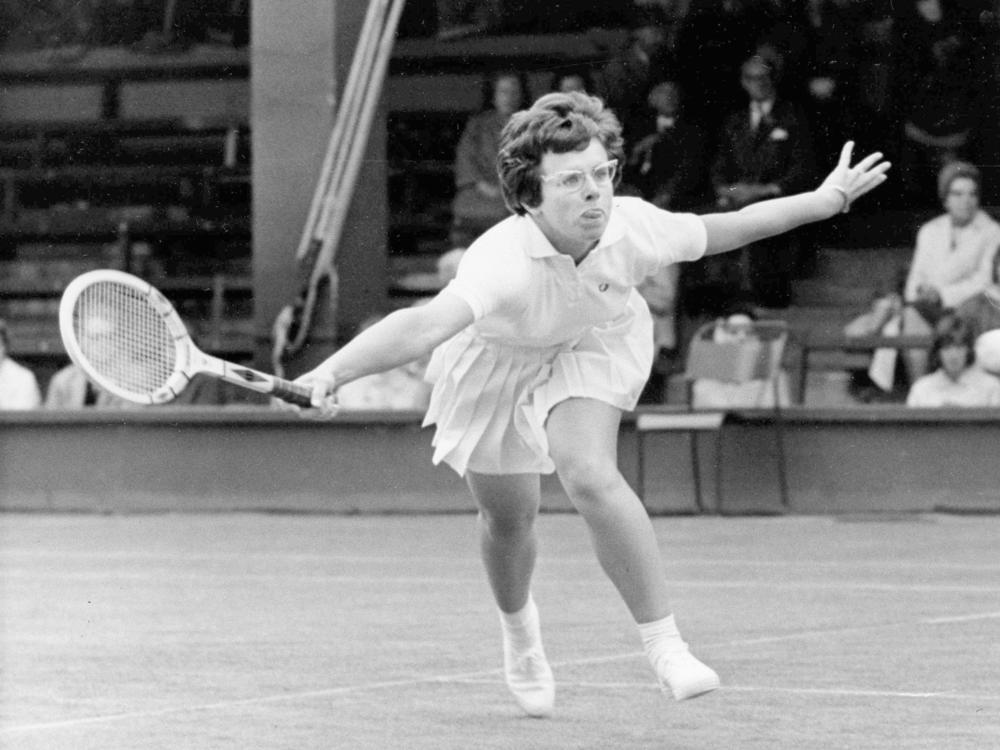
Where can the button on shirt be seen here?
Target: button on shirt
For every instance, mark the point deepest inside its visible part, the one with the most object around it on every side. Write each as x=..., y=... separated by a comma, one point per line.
x=523, y=291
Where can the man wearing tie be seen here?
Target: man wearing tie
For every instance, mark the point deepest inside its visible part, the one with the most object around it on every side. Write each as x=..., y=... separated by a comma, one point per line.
x=764, y=151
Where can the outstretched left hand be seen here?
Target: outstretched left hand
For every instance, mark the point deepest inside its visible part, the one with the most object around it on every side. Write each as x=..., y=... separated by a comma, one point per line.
x=850, y=183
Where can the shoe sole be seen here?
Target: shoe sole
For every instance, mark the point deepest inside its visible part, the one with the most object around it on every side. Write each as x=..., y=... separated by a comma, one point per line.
x=695, y=691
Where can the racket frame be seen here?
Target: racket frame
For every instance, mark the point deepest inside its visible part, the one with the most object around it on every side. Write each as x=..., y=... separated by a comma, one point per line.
x=189, y=359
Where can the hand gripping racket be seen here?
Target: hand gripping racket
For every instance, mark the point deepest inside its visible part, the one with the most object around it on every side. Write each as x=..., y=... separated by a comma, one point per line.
x=128, y=339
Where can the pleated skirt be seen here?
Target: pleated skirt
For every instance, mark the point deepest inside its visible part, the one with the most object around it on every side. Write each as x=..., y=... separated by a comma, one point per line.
x=491, y=397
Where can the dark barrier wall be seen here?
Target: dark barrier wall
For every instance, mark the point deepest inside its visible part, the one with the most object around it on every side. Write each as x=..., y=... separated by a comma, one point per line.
x=192, y=459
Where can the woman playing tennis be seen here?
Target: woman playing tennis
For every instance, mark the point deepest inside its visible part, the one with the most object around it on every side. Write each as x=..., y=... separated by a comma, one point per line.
x=541, y=342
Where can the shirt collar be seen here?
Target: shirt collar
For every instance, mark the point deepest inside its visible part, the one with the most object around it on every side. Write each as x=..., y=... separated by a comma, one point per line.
x=540, y=247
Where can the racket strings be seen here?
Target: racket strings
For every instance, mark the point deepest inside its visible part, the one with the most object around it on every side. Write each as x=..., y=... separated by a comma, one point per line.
x=124, y=337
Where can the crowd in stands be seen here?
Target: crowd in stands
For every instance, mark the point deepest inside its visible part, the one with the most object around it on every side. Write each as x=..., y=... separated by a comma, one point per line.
x=728, y=102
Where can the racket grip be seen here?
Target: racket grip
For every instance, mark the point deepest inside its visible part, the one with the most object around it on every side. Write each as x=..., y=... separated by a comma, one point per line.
x=288, y=391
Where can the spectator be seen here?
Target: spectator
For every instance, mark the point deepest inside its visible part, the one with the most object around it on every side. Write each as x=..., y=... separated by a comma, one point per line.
x=713, y=40
x=764, y=152
x=573, y=78
x=831, y=68
x=669, y=164
x=624, y=82
x=71, y=389
x=934, y=87
x=738, y=325
x=982, y=311
x=18, y=385
x=951, y=261
x=478, y=204
x=955, y=379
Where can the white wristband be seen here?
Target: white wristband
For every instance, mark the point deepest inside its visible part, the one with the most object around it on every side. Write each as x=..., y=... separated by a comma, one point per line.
x=847, y=201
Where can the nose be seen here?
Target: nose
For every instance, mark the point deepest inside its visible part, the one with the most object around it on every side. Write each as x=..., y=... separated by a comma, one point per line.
x=590, y=186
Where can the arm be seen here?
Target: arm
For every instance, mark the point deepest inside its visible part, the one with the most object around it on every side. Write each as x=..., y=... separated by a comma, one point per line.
x=400, y=337
x=758, y=221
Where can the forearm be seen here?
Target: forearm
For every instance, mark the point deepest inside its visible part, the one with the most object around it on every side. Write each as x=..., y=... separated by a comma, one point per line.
x=393, y=341
x=767, y=218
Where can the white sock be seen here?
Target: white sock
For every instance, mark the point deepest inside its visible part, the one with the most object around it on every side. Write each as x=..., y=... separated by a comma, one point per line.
x=661, y=637
x=522, y=628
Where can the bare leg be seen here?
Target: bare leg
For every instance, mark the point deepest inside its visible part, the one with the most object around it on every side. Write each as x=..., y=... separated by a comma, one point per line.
x=508, y=505
x=583, y=442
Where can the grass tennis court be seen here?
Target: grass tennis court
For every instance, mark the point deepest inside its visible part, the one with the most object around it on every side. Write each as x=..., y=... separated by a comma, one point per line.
x=317, y=631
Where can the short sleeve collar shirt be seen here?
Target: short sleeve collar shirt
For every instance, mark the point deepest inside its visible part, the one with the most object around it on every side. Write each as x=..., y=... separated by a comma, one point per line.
x=523, y=291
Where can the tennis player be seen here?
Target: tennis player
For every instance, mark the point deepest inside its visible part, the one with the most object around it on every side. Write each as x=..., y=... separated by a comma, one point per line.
x=541, y=342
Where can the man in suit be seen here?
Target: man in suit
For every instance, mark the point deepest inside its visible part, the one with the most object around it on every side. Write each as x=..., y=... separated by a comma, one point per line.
x=764, y=151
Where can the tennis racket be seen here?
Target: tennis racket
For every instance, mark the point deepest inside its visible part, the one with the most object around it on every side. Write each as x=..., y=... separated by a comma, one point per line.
x=128, y=338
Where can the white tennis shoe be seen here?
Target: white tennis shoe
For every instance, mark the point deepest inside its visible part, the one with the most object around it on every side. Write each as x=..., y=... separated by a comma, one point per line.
x=530, y=679
x=680, y=673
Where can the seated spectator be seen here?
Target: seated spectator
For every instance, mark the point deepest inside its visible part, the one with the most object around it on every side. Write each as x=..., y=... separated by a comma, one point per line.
x=934, y=88
x=765, y=151
x=956, y=380
x=402, y=388
x=572, y=78
x=18, y=385
x=478, y=203
x=951, y=261
x=71, y=389
x=982, y=311
x=668, y=165
x=625, y=80
x=738, y=325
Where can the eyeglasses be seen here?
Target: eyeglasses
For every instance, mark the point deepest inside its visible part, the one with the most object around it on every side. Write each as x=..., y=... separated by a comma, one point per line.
x=571, y=180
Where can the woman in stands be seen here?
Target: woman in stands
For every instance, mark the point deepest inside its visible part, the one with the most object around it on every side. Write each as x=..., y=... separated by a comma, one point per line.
x=956, y=380
x=541, y=342
x=951, y=261
x=478, y=202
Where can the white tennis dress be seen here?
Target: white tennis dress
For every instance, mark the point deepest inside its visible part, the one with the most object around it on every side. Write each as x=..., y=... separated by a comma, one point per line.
x=546, y=330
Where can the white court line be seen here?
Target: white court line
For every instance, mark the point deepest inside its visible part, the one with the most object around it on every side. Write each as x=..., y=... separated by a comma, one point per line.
x=182, y=556
x=170, y=577
x=834, y=692
x=479, y=676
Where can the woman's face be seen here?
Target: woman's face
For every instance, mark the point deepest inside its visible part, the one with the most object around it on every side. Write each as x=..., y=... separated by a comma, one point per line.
x=953, y=359
x=962, y=200
x=507, y=95
x=572, y=83
x=574, y=220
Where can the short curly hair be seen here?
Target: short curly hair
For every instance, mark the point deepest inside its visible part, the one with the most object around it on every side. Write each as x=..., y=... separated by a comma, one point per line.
x=557, y=123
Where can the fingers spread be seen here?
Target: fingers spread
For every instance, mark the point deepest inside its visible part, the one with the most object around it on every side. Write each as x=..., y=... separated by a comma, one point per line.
x=845, y=154
x=868, y=162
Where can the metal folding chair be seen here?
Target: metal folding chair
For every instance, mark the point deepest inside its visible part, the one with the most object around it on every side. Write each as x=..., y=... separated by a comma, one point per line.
x=752, y=359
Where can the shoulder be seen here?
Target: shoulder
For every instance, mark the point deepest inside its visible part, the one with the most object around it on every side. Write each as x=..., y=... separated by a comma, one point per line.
x=663, y=236
x=932, y=227
x=641, y=215
x=987, y=222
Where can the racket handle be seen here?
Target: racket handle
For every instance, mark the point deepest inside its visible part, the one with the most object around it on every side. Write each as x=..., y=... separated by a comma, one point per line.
x=288, y=391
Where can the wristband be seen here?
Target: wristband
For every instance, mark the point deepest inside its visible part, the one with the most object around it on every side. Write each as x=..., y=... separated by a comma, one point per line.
x=847, y=201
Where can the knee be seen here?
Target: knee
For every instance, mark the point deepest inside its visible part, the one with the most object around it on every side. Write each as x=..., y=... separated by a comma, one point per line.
x=587, y=480
x=507, y=522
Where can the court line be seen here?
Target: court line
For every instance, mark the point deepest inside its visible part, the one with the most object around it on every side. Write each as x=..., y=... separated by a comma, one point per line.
x=181, y=556
x=835, y=692
x=172, y=576
x=479, y=675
